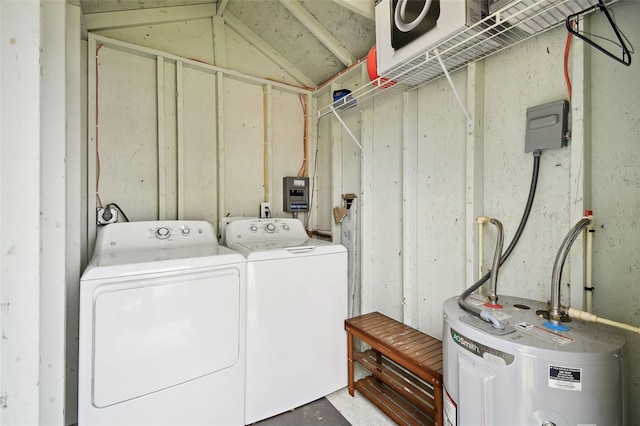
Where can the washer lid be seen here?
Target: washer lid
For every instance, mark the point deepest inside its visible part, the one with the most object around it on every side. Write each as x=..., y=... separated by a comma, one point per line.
x=137, y=262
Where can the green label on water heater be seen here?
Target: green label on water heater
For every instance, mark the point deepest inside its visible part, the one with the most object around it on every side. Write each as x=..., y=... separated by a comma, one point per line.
x=491, y=355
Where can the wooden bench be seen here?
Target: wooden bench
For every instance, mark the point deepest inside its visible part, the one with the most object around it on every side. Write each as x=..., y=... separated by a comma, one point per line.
x=406, y=367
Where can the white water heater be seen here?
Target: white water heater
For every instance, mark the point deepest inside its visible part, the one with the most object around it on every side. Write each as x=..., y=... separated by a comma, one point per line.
x=528, y=375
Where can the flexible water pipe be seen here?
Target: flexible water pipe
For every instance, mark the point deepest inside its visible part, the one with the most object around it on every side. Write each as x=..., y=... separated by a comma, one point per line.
x=488, y=316
x=493, y=292
x=523, y=221
x=554, y=312
x=588, y=316
x=481, y=220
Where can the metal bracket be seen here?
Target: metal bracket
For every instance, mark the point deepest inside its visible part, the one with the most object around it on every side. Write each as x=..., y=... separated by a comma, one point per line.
x=333, y=110
x=455, y=92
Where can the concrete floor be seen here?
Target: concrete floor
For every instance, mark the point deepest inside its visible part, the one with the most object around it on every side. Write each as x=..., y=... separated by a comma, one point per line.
x=357, y=409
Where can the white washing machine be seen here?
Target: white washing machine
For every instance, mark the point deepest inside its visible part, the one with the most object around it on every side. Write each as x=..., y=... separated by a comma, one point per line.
x=162, y=327
x=296, y=307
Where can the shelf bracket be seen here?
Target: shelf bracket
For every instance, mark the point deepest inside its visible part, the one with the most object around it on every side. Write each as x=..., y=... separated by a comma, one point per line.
x=333, y=110
x=453, y=87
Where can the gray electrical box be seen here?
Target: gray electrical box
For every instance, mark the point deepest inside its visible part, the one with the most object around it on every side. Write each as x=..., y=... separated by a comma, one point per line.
x=546, y=126
x=295, y=194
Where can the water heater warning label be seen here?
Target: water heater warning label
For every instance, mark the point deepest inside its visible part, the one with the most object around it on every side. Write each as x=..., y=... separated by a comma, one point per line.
x=565, y=378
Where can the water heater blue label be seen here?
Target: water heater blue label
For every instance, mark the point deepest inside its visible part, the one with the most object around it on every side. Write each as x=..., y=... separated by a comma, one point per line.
x=565, y=378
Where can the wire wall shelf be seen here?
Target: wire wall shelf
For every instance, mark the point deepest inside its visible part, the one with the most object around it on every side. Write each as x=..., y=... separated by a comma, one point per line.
x=510, y=25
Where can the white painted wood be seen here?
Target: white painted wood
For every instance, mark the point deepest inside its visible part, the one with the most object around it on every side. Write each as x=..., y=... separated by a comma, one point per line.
x=153, y=53
x=335, y=193
x=580, y=147
x=614, y=119
x=233, y=22
x=221, y=6
x=268, y=143
x=220, y=133
x=361, y=7
x=531, y=73
x=387, y=207
x=92, y=135
x=199, y=145
x=287, y=152
x=128, y=18
x=128, y=133
x=410, y=209
x=367, y=213
x=75, y=222
x=192, y=39
x=474, y=174
x=219, y=42
x=53, y=229
x=162, y=174
x=441, y=204
x=20, y=155
x=180, y=140
x=317, y=29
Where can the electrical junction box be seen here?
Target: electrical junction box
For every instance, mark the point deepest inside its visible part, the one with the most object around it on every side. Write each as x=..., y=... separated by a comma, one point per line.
x=546, y=126
x=295, y=194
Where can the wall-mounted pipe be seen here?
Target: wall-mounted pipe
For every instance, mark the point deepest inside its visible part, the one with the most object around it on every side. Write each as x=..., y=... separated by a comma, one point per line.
x=588, y=264
x=587, y=316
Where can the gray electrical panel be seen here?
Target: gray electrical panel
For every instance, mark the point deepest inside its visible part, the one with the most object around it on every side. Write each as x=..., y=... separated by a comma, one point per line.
x=546, y=126
x=295, y=194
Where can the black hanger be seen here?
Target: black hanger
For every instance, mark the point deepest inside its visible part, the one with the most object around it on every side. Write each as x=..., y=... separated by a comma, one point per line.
x=626, y=54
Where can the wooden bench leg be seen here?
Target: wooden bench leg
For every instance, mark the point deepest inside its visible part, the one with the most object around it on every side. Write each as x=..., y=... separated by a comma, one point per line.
x=350, y=362
x=437, y=405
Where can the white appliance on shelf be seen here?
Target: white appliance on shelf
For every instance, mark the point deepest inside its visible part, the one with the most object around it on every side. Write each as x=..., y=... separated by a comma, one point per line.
x=407, y=28
x=296, y=307
x=162, y=327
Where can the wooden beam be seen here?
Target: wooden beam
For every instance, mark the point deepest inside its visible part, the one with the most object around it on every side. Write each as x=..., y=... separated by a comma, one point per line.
x=247, y=33
x=317, y=29
x=361, y=7
x=222, y=4
x=160, y=15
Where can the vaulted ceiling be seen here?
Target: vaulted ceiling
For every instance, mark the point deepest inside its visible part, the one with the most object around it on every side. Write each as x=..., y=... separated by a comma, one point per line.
x=314, y=39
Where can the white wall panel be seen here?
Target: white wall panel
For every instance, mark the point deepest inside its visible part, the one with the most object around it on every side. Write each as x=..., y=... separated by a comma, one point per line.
x=288, y=150
x=387, y=208
x=615, y=123
x=442, y=130
x=127, y=138
x=245, y=58
x=524, y=76
x=191, y=39
x=200, y=148
x=244, y=148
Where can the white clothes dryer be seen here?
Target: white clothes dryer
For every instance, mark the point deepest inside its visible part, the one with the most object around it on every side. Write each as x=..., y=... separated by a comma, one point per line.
x=296, y=307
x=162, y=327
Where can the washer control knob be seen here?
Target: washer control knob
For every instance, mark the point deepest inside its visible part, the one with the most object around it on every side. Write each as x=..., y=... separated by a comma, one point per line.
x=253, y=228
x=163, y=233
x=186, y=230
x=270, y=227
x=285, y=227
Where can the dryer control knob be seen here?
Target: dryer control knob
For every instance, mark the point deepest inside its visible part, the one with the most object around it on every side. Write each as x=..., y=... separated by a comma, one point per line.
x=285, y=227
x=270, y=227
x=163, y=233
x=186, y=230
x=253, y=228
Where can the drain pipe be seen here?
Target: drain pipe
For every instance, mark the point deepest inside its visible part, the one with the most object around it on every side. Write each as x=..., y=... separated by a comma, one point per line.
x=554, y=312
